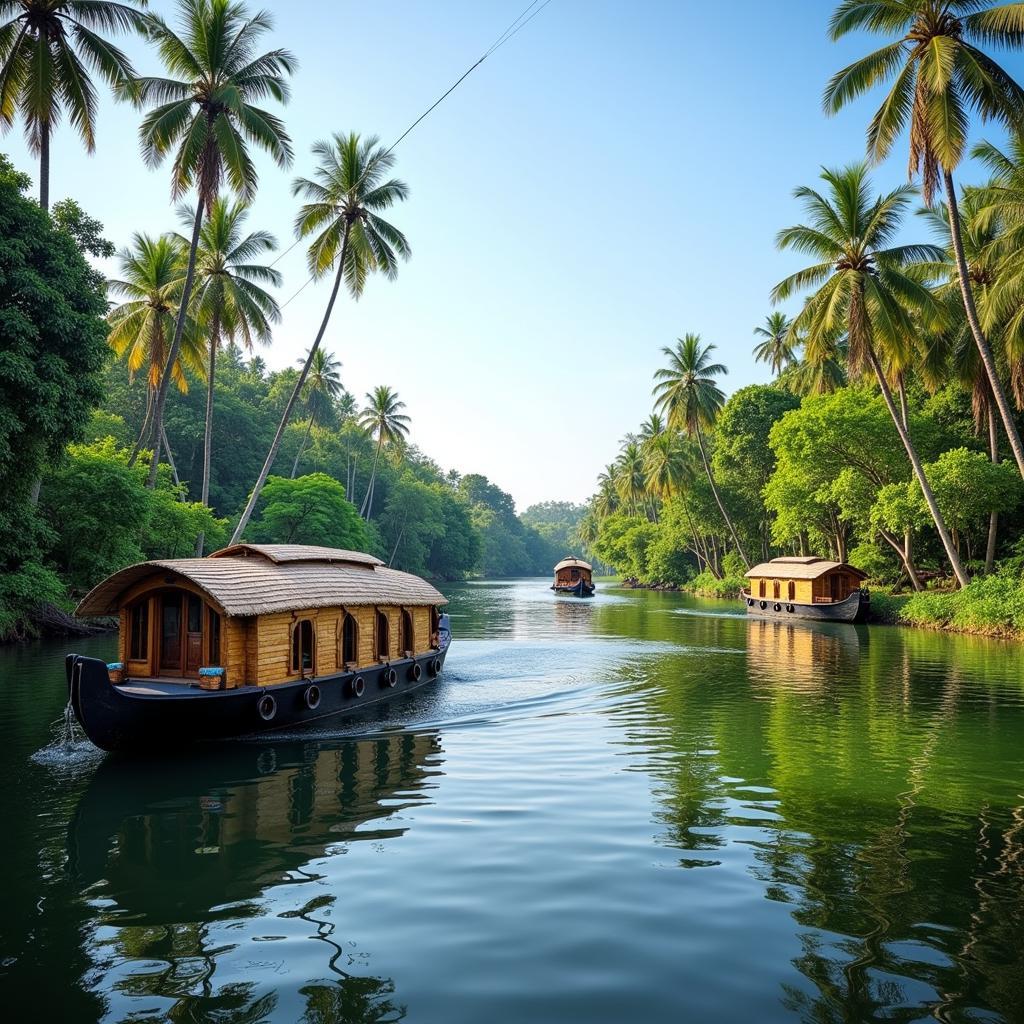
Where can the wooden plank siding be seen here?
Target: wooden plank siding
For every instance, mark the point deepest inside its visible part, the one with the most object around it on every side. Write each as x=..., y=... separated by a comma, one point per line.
x=816, y=591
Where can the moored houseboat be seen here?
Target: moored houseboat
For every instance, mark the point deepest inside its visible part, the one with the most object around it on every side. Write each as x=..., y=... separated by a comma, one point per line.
x=574, y=576
x=252, y=638
x=807, y=588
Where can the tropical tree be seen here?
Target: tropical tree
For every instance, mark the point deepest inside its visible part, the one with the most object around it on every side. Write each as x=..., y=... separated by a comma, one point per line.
x=323, y=385
x=384, y=419
x=776, y=349
x=342, y=214
x=939, y=74
x=630, y=479
x=47, y=49
x=150, y=284
x=206, y=115
x=688, y=395
x=228, y=298
x=863, y=288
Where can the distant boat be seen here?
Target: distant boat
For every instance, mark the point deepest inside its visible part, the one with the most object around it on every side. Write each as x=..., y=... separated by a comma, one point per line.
x=250, y=639
x=574, y=576
x=807, y=588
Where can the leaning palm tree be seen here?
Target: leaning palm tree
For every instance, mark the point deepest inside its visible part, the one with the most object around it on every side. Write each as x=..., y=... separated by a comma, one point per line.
x=863, y=288
x=939, y=75
x=691, y=400
x=47, y=49
x=383, y=418
x=777, y=348
x=206, y=115
x=343, y=216
x=150, y=283
x=323, y=386
x=228, y=298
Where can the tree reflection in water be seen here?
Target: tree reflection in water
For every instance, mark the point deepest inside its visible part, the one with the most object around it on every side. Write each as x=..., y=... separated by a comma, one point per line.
x=175, y=856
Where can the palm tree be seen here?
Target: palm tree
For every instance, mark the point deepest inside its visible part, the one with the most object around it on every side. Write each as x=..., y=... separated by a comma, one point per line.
x=690, y=398
x=606, y=501
x=652, y=427
x=228, y=298
x=382, y=417
x=323, y=385
x=630, y=479
x=206, y=115
x=342, y=214
x=150, y=283
x=939, y=74
x=862, y=287
x=777, y=349
x=47, y=48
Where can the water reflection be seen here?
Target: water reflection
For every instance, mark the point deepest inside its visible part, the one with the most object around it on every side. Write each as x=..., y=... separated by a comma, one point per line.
x=177, y=858
x=802, y=656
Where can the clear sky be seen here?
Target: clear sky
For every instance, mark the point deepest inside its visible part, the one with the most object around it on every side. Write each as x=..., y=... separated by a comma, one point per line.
x=612, y=178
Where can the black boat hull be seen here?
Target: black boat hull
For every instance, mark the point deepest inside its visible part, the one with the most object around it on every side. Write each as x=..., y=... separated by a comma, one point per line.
x=854, y=609
x=579, y=589
x=116, y=718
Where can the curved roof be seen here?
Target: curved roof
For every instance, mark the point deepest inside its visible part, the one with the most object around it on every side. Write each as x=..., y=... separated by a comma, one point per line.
x=565, y=563
x=256, y=579
x=801, y=568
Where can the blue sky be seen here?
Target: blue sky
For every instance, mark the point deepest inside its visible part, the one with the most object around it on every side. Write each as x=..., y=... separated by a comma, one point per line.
x=611, y=179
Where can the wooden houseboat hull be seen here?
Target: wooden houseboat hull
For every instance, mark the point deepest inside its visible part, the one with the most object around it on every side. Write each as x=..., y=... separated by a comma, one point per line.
x=579, y=589
x=143, y=715
x=852, y=609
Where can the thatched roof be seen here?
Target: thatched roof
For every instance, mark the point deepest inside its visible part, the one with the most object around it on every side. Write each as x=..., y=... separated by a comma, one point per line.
x=803, y=568
x=566, y=563
x=256, y=579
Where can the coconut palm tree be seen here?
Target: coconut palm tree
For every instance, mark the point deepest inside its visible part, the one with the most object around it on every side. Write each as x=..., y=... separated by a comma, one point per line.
x=47, y=50
x=777, y=349
x=652, y=427
x=606, y=501
x=862, y=287
x=384, y=419
x=691, y=400
x=323, y=385
x=150, y=283
x=350, y=189
x=206, y=115
x=228, y=298
x=939, y=75
x=630, y=480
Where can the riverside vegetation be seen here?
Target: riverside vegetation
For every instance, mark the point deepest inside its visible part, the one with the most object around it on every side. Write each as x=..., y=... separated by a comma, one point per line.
x=136, y=419
x=890, y=435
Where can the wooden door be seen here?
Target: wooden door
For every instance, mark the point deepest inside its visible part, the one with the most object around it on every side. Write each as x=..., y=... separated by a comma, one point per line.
x=171, y=633
x=194, y=634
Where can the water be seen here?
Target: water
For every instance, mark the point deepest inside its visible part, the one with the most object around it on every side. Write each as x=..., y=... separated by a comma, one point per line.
x=640, y=807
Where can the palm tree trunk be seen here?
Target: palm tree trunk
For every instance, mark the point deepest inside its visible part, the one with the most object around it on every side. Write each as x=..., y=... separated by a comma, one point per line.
x=302, y=447
x=993, y=516
x=368, y=497
x=172, y=356
x=922, y=480
x=243, y=522
x=208, y=430
x=147, y=422
x=718, y=500
x=170, y=458
x=44, y=165
x=1005, y=413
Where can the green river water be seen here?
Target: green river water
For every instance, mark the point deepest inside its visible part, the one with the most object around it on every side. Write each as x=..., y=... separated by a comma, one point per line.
x=637, y=808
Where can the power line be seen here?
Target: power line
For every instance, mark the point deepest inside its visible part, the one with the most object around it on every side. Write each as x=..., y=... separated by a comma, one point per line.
x=513, y=29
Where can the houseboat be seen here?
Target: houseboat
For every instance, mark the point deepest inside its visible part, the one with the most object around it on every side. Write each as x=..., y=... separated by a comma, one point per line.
x=574, y=576
x=807, y=588
x=253, y=638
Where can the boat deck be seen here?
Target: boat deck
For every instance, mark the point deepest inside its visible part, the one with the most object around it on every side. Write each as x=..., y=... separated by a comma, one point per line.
x=161, y=686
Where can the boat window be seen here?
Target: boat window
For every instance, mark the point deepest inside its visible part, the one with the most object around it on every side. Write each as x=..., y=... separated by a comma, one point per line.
x=760, y=588
x=349, y=640
x=408, y=636
x=195, y=614
x=435, y=627
x=775, y=588
x=214, y=637
x=791, y=590
x=383, y=637
x=302, y=647
x=138, y=649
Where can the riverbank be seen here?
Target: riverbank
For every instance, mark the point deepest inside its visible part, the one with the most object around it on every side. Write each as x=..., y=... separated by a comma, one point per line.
x=989, y=606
